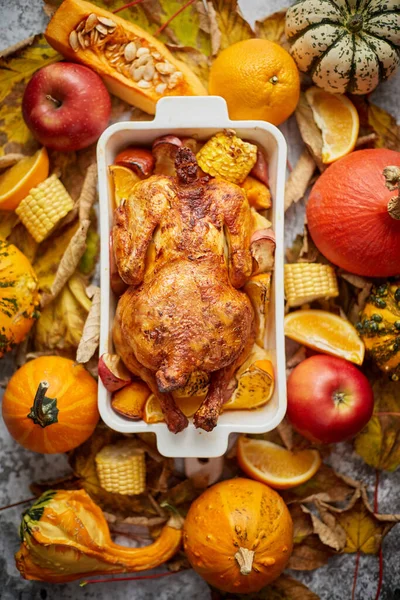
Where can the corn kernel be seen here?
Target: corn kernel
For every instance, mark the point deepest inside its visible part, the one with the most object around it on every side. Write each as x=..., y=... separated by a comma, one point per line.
x=44, y=207
x=227, y=156
x=305, y=282
x=121, y=468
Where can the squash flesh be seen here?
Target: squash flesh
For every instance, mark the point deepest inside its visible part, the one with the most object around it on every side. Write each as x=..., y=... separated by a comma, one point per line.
x=67, y=18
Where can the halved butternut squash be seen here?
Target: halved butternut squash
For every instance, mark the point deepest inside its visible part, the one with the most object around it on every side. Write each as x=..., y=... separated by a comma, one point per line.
x=134, y=65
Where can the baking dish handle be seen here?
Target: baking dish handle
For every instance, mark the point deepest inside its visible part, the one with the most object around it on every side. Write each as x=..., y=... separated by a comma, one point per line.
x=195, y=111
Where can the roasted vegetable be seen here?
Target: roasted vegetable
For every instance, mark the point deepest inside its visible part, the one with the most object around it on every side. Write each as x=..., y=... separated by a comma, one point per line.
x=379, y=327
x=139, y=160
x=225, y=155
x=258, y=289
x=134, y=65
x=65, y=537
x=113, y=372
x=18, y=296
x=44, y=207
x=305, y=282
x=130, y=400
x=255, y=382
x=238, y=535
x=121, y=468
x=50, y=405
x=257, y=193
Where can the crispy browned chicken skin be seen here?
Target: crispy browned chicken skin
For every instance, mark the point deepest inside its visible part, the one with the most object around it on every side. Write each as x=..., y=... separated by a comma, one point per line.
x=183, y=246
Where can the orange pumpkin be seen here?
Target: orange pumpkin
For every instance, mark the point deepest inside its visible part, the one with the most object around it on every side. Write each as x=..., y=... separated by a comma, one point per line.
x=50, y=405
x=238, y=535
x=18, y=296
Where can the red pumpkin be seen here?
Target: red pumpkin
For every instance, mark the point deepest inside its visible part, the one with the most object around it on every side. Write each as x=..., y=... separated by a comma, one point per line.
x=354, y=218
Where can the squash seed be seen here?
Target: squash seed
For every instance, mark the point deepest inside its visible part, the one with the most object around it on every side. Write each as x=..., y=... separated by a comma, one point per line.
x=148, y=72
x=165, y=68
x=160, y=89
x=73, y=41
x=91, y=22
x=107, y=22
x=101, y=29
x=81, y=39
x=144, y=84
x=130, y=52
x=142, y=52
x=138, y=73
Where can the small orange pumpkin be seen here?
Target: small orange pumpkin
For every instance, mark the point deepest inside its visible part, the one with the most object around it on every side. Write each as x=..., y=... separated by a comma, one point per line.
x=238, y=535
x=18, y=296
x=50, y=405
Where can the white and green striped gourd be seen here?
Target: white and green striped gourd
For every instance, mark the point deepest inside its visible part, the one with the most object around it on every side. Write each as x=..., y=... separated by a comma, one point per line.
x=345, y=45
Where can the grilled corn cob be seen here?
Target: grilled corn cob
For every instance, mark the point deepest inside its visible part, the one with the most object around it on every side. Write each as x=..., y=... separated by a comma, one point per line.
x=305, y=282
x=121, y=468
x=44, y=207
x=226, y=155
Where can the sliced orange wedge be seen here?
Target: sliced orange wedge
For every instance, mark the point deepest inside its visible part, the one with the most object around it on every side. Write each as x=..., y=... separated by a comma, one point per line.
x=188, y=404
x=274, y=465
x=131, y=399
x=325, y=332
x=17, y=181
x=255, y=386
x=337, y=118
x=123, y=179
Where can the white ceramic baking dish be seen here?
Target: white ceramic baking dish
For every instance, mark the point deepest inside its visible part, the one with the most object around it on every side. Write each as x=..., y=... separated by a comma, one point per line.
x=200, y=117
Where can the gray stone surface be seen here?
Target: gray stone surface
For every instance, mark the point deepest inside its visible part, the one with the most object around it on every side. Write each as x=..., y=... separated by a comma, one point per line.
x=18, y=467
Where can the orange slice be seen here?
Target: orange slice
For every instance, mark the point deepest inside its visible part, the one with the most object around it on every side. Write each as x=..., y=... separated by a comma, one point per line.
x=258, y=289
x=338, y=121
x=17, y=181
x=274, y=465
x=188, y=404
x=325, y=332
x=123, y=179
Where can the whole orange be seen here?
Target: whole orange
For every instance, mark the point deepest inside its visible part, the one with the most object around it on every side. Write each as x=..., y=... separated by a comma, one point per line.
x=258, y=79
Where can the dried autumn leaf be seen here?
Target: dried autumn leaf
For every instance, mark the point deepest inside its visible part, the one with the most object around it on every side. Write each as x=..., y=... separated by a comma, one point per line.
x=309, y=131
x=8, y=160
x=364, y=529
x=181, y=495
x=88, y=193
x=309, y=555
x=88, y=262
x=272, y=28
x=61, y=323
x=232, y=26
x=379, y=442
x=283, y=588
x=22, y=239
x=325, y=485
x=328, y=530
x=385, y=126
x=49, y=255
x=208, y=24
x=7, y=221
x=299, y=179
x=69, y=482
x=91, y=332
x=196, y=60
x=17, y=65
x=69, y=262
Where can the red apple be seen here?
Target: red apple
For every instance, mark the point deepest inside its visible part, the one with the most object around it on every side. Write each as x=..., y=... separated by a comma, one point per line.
x=329, y=399
x=66, y=106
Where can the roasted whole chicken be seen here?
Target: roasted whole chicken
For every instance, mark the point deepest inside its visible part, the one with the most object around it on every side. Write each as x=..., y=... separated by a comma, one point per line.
x=182, y=244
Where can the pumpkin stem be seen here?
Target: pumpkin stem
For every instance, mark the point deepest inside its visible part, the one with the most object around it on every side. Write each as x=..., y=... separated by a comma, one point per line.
x=44, y=411
x=245, y=557
x=392, y=182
